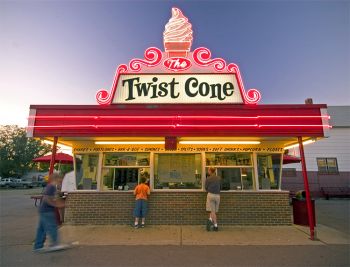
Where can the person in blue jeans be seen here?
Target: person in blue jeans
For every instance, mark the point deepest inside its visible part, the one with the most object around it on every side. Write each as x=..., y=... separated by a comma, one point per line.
x=47, y=216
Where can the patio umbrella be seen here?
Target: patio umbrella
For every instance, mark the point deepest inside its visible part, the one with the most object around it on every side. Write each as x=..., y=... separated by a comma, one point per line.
x=59, y=158
x=288, y=159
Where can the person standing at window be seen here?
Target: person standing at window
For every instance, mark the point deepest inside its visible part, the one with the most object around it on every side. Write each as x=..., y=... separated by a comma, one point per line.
x=142, y=191
x=213, y=186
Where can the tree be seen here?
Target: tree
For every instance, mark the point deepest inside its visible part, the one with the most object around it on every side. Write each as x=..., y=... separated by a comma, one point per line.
x=17, y=151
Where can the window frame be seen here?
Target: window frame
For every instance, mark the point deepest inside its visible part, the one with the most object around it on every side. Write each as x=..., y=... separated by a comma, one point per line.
x=153, y=173
x=327, y=172
x=234, y=166
x=103, y=167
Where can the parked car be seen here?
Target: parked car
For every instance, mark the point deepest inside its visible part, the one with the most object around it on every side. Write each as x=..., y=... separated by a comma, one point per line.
x=28, y=184
x=6, y=182
x=15, y=183
x=19, y=183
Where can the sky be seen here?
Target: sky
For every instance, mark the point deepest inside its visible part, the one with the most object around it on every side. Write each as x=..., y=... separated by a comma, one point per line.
x=63, y=52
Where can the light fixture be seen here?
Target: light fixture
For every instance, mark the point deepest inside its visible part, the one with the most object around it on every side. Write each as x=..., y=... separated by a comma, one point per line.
x=310, y=141
x=219, y=142
x=61, y=146
x=129, y=143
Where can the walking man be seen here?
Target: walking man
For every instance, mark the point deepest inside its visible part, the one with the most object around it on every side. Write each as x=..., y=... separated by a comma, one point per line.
x=47, y=216
x=213, y=186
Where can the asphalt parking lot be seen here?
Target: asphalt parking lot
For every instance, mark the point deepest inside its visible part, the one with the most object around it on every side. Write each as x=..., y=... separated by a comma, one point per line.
x=175, y=246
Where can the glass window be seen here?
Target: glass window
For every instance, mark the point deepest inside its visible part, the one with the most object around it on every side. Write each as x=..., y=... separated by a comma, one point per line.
x=126, y=159
x=122, y=171
x=228, y=159
x=236, y=178
x=177, y=171
x=235, y=169
x=269, y=166
x=123, y=178
x=327, y=165
x=86, y=166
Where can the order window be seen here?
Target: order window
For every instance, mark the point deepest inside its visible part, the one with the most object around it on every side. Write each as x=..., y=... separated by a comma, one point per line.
x=269, y=171
x=86, y=166
x=122, y=171
x=177, y=171
x=235, y=169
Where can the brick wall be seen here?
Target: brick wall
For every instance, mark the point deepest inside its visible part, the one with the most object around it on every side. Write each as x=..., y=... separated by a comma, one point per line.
x=187, y=208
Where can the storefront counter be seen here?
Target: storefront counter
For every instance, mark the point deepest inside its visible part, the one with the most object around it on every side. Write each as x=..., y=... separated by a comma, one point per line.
x=179, y=208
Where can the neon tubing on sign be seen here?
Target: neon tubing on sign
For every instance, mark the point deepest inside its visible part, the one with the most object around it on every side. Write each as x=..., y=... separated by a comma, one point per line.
x=172, y=126
x=96, y=117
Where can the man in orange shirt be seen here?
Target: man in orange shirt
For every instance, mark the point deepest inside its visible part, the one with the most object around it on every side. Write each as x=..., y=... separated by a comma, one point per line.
x=141, y=192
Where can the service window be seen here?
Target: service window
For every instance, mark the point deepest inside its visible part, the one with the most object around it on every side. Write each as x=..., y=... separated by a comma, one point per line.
x=269, y=170
x=177, y=171
x=122, y=171
x=86, y=166
x=235, y=169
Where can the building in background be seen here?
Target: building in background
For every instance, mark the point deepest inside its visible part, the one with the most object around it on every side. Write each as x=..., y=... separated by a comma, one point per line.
x=327, y=160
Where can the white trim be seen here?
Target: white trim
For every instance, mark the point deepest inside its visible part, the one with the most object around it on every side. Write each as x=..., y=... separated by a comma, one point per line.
x=256, y=176
x=31, y=122
x=151, y=171
x=325, y=121
x=99, y=171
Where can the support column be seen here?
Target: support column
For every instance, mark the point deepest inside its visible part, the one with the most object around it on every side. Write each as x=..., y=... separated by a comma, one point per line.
x=53, y=155
x=307, y=190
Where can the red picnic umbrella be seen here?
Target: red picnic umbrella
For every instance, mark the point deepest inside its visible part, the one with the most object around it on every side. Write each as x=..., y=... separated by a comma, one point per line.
x=288, y=159
x=59, y=158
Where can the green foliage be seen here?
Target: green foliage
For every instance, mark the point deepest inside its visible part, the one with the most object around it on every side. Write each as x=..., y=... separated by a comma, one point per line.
x=64, y=168
x=17, y=151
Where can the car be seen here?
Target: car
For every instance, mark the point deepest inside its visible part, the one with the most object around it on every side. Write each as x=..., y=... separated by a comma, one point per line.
x=19, y=183
x=15, y=182
x=27, y=184
x=6, y=182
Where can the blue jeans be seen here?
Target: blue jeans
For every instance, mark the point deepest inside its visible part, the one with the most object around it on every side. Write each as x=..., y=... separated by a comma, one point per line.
x=141, y=209
x=47, y=225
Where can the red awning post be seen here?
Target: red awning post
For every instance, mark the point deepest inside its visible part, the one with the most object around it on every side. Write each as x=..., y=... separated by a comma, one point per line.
x=54, y=149
x=307, y=190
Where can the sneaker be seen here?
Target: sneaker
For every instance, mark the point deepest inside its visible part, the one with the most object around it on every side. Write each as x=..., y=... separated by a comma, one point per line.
x=136, y=226
x=216, y=228
x=57, y=247
x=143, y=225
x=38, y=250
x=209, y=225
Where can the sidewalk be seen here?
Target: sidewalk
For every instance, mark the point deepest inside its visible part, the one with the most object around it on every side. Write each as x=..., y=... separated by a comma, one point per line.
x=197, y=235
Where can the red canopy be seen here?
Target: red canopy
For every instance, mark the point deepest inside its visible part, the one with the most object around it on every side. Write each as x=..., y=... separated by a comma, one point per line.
x=60, y=158
x=287, y=159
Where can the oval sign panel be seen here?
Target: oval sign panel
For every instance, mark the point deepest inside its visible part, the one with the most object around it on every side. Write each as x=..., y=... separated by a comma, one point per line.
x=177, y=63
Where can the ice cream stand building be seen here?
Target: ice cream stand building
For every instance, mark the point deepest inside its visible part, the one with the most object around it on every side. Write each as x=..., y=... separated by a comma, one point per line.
x=169, y=116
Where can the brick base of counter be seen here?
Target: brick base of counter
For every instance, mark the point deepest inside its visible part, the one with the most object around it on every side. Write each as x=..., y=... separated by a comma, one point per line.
x=186, y=208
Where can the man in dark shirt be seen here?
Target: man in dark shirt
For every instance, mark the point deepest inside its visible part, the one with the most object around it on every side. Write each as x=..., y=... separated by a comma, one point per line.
x=47, y=216
x=212, y=186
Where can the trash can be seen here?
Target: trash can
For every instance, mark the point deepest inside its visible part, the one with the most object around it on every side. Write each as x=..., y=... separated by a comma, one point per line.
x=300, y=215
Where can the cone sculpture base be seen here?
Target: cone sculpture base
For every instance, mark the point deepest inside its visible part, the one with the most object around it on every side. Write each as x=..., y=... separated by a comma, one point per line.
x=177, y=49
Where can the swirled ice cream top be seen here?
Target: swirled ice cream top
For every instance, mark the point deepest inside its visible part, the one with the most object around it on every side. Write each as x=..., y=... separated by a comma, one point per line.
x=178, y=29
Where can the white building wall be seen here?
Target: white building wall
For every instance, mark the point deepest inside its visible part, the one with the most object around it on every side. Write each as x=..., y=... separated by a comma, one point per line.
x=335, y=146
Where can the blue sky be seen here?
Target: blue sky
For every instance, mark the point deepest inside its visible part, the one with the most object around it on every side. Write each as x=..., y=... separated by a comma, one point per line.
x=62, y=52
